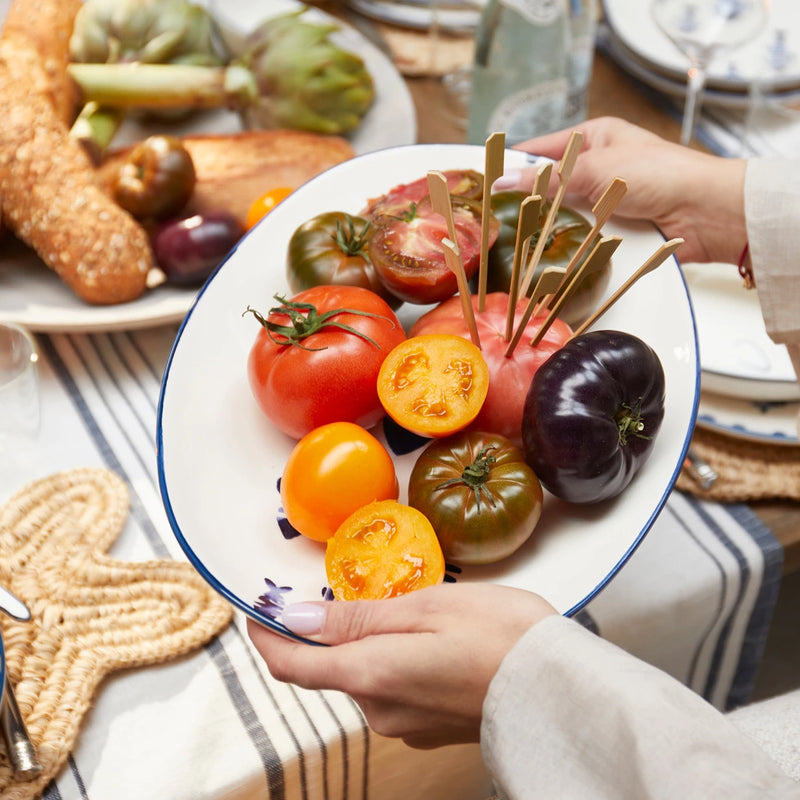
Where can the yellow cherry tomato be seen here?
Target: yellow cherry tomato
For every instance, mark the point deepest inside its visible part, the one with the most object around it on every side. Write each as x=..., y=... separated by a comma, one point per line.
x=265, y=204
x=331, y=472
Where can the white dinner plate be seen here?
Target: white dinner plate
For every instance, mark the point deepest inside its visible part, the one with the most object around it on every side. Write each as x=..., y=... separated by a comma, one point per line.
x=455, y=15
x=770, y=422
x=774, y=54
x=737, y=357
x=219, y=458
x=35, y=297
x=633, y=65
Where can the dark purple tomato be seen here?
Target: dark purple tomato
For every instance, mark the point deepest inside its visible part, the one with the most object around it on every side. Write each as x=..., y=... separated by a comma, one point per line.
x=189, y=250
x=592, y=414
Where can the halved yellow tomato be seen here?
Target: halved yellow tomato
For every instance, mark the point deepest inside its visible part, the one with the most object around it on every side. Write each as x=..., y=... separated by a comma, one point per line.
x=384, y=549
x=433, y=385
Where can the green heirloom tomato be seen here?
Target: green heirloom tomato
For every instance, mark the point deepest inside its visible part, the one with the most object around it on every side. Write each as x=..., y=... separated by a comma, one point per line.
x=332, y=249
x=570, y=229
x=481, y=497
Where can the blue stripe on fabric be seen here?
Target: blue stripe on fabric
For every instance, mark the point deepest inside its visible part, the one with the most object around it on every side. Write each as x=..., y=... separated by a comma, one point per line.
x=73, y=767
x=366, y=734
x=246, y=711
x=52, y=792
x=273, y=768
x=692, y=676
x=343, y=740
x=109, y=457
x=301, y=756
x=755, y=637
x=744, y=567
x=707, y=138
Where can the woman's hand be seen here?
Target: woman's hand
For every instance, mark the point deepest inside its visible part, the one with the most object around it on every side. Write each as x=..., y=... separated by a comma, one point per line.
x=418, y=665
x=686, y=193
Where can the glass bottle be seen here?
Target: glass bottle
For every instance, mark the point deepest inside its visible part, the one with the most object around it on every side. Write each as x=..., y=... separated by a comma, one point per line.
x=583, y=16
x=520, y=70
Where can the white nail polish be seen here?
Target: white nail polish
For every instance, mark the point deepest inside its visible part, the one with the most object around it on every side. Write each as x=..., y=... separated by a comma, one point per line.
x=508, y=180
x=304, y=618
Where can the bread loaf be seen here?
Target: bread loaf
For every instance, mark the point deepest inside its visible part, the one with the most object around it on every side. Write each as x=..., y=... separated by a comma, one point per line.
x=233, y=170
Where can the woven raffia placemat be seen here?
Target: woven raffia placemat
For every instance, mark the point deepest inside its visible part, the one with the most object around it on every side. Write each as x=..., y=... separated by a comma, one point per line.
x=419, y=53
x=92, y=614
x=746, y=470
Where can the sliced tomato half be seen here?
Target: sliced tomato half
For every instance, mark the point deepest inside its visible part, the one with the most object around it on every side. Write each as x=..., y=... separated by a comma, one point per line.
x=408, y=256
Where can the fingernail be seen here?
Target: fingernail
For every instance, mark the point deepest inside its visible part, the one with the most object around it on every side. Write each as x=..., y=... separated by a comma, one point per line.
x=304, y=618
x=508, y=180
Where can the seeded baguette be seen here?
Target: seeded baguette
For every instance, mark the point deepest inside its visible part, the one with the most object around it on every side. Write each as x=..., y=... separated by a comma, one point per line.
x=23, y=24
x=49, y=194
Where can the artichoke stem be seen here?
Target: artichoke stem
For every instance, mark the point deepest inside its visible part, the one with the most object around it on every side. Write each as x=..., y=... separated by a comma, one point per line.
x=95, y=128
x=165, y=85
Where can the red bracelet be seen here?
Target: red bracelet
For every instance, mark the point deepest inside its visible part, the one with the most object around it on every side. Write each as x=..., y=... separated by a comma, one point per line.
x=746, y=270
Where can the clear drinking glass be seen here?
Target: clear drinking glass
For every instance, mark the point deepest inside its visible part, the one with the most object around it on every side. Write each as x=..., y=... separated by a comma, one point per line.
x=19, y=404
x=702, y=30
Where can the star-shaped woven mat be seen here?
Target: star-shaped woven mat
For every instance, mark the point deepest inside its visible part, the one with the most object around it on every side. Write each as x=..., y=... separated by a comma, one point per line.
x=92, y=614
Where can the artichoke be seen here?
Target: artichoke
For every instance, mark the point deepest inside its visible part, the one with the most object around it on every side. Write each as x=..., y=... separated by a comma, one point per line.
x=144, y=31
x=304, y=80
x=289, y=75
x=139, y=32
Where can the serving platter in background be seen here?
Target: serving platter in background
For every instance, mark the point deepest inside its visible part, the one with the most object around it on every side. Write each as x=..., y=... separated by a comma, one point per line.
x=34, y=296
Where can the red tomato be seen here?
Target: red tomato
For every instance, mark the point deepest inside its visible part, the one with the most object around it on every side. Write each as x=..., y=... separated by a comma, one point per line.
x=462, y=182
x=331, y=473
x=302, y=380
x=406, y=249
x=509, y=378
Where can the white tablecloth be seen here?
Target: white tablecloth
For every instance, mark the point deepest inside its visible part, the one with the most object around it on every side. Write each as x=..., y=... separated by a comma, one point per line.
x=695, y=599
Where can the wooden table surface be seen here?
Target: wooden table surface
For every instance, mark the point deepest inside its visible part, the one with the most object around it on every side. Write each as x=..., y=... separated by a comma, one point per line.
x=613, y=93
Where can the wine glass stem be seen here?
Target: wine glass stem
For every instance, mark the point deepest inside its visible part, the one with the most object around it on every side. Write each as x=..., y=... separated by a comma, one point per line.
x=696, y=82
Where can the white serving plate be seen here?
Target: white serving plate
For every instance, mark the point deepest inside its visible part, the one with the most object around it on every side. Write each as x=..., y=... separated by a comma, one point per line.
x=737, y=357
x=219, y=460
x=633, y=23
x=35, y=297
x=769, y=422
x=676, y=87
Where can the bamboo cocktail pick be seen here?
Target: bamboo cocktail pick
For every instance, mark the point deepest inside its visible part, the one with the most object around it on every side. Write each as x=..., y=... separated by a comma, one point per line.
x=548, y=282
x=494, y=160
x=597, y=259
x=655, y=260
x=529, y=211
x=565, y=168
x=440, y=200
x=453, y=261
x=539, y=190
x=602, y=210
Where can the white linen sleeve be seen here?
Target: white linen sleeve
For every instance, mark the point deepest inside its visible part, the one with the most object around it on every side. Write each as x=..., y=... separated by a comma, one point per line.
x=772, y=211
x=571, y=716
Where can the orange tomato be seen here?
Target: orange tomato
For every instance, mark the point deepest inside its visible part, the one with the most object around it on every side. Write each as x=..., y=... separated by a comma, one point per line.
x=332, y=471
x=433, y=384
x=264, y=204
x=384, y=549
